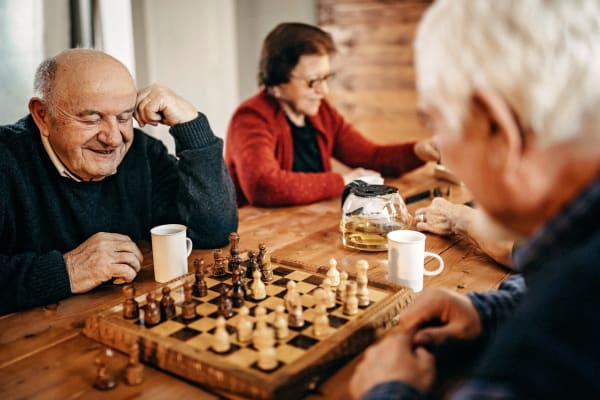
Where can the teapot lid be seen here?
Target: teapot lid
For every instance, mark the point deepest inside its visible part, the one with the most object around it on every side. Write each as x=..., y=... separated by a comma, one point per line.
x=373, y=190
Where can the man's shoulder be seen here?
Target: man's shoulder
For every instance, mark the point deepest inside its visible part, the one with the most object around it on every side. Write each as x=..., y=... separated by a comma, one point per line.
x=22, y=130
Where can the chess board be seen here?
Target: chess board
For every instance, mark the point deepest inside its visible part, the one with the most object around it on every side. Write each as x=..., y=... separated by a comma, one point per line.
x=183, y=347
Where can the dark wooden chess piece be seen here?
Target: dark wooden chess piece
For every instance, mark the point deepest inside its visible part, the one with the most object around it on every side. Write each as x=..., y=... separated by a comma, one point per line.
x=219, y=268
x=134, y=372
x=225, y=307
x=199, y=288
x=105, y=380
x=262, y=250
x=252, y=265
x=234, y=240
x=151, y=311
x=237, y=293
x=167, y=304
x=234, y=260
x=188, y=307
x=266, y=268
x=131, y=309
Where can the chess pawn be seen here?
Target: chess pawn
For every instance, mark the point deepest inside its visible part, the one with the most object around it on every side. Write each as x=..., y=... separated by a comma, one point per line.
x=252, y=265
x=237, y=290
x=225, y=307
x=333, y=274
x=151, y=311
x=134, y=372
x=263, y=336
x=260, y=257
x=351, y=301
x=293, y=306
x=244, y=326
x=340, y=293
x=281, y=323
x=362, y=280
x=131, y=308
x=330, y=296
x=259, y=291
x=267, y=268
x=267, y=358
x=321, y=320
x=219, y=268
x=199, y=288
x=105, y=380
x=188, y=307
x=221, y=343
x=167, y=304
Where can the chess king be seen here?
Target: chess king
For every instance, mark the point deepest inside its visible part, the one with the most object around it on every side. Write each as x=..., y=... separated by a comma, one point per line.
x=79, y=186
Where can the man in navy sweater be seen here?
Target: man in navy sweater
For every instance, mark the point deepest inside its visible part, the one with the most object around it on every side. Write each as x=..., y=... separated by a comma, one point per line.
x=511, y=90
x=79, y=185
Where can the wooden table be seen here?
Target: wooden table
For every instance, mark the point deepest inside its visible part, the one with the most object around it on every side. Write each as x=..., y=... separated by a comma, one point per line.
x=44, y=355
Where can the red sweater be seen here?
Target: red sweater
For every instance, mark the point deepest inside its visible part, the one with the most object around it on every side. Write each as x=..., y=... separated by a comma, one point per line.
x=259, y=154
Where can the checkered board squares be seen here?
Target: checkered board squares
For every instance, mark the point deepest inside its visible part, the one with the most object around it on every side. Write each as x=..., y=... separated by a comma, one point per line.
x=184, y=347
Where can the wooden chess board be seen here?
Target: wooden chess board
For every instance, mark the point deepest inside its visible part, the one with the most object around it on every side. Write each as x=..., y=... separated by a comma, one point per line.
x=183, y=347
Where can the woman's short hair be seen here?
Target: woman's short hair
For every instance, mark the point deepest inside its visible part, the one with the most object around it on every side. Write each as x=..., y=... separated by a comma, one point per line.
x=283, y=47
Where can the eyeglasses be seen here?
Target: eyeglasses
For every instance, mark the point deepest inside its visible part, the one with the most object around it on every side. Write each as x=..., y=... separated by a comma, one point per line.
x=312, y=83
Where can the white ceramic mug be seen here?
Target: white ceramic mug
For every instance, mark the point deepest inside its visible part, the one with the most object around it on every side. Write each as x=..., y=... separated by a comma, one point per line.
x=406, y=259
x=170, y=250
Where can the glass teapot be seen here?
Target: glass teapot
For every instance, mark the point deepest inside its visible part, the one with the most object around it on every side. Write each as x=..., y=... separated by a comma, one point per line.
x=369, y=212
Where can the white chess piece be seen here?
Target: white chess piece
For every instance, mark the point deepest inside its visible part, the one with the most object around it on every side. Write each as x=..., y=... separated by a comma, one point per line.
x=293, y=305
x=244, y=326
x=362, y=280
x=263, y=336
x=330, y=299
x=221, y=342
x=280, y=323
x=333, y=274
x=321, y=320
x=267, y=358
x=351, y=301
x=340, y=293
x=259, y=291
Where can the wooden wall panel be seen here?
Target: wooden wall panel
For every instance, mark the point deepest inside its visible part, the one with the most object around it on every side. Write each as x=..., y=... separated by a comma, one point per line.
x=375, y=82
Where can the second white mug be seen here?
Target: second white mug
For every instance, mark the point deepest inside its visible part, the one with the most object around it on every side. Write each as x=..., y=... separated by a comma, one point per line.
x=170, y=250
x=406, y=259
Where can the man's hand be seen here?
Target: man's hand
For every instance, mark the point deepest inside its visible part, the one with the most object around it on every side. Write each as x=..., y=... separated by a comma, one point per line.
x=439, y=315
x=444, y=218
x=159, y=104
x=102, y=257
x=394, y=358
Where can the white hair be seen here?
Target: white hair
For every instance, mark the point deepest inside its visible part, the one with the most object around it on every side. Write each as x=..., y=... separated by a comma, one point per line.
x=541, y=56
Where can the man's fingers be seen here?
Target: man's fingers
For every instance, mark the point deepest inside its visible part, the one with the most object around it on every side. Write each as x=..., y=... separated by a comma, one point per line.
x=123, y=271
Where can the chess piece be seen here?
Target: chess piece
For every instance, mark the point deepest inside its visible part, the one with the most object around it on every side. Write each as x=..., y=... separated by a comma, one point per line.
x=130, y=305
x=134, y=372
x=330, y=296
x=105, y=379
x=199, y=289
x=340, y=293
x=219, y=268
x=266, y=268
x=234, y=240
x=237, y=293
x=151, y=311
x=267, y=357
x=321, y=320
x=333, y=274
x=293, y=305
x=259, y=291
x=234, y=260
x=252, y=265
x=263, y=335
x=188, y=307
x=260, y=257
x=362, y=280
x=221, y=343
x=281, y=323
x=244, y=326
x=167, y=304
x=351, y=301
x=225, y=307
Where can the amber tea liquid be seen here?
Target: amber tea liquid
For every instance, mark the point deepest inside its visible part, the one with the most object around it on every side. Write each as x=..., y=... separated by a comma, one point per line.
x=365, y=235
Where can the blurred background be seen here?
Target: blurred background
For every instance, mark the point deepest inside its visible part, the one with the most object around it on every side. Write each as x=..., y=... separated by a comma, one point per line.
x=208, y=50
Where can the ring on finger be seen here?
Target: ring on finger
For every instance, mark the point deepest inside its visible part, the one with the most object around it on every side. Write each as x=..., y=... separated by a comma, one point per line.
x=421, y=218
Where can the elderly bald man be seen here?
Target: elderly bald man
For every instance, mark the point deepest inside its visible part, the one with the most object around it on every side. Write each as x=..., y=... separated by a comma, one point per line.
x=79, y=185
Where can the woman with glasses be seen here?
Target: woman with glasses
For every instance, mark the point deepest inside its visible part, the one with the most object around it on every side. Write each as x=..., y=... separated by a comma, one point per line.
x=280, y=142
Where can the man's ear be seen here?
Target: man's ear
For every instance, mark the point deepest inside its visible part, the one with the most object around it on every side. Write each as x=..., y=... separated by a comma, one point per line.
x=503, y=128
x=40, y=114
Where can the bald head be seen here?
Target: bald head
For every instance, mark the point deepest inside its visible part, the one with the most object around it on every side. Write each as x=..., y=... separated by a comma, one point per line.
x=83, y=71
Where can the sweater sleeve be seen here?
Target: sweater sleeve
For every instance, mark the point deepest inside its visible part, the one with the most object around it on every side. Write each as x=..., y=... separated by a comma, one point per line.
x=252, y=145
x=196, y=185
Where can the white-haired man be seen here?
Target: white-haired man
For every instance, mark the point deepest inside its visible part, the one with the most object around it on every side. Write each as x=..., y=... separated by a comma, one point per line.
x=79, y=185
x=512, y=91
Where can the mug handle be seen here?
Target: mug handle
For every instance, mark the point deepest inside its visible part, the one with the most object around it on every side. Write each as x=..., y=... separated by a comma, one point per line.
x=188, y=245
x=436, y=271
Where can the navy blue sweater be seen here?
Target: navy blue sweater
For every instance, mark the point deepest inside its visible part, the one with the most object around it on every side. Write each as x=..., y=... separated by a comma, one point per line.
x=44, y=215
